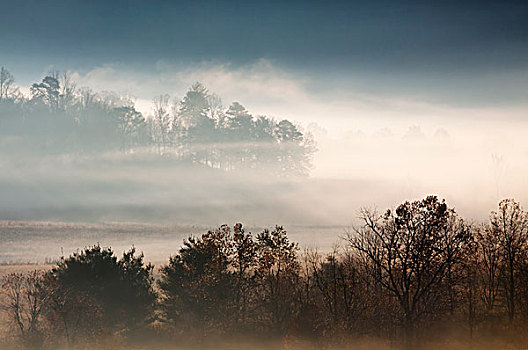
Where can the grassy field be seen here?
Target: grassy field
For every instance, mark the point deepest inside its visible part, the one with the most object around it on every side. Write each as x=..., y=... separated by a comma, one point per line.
x=43, y=242
x=39, y=242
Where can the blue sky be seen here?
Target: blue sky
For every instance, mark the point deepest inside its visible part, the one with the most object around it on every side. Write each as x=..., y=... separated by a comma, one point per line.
x=448, y=51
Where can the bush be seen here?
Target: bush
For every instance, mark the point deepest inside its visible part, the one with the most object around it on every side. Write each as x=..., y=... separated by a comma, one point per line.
x=92, y=292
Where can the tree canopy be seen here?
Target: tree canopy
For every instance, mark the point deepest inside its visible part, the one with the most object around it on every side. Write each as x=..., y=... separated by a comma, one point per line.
x=60, y=117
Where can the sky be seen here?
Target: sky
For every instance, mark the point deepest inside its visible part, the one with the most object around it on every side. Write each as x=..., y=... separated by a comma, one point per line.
x=428, y=96
x=452, y=52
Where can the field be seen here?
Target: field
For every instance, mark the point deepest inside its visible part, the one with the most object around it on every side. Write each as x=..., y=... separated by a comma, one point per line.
x=43, y=242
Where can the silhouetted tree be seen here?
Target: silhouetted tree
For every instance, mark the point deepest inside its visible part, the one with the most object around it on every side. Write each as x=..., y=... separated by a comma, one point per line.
x=225, y=281
x=418, y=266
x=196, y=285
x=413, y=249
x=489, y=264
x=243, y=263
x=93, y=292
x=510, y=225
x=23, y=300
x=337, y=278
x=277, y=278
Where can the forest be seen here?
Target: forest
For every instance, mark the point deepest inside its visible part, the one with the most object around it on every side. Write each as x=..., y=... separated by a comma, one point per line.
x=57, y=117
x=417, y=276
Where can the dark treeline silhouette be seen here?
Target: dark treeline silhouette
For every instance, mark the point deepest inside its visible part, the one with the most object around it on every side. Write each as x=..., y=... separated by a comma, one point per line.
x=59, y=117
x=410, y=277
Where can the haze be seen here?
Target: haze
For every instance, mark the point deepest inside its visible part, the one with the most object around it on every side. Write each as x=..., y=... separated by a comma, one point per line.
x=227, y=174
x=401, y=101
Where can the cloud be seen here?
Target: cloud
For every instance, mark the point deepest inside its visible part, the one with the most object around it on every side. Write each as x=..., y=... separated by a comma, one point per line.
x=265, y=88
x=260, y=83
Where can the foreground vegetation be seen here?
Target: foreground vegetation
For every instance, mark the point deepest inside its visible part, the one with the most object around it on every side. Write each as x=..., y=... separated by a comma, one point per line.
x=411, y=277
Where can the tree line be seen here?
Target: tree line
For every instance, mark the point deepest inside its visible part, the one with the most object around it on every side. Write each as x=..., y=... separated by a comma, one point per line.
x=408, y=276
x=58, y=116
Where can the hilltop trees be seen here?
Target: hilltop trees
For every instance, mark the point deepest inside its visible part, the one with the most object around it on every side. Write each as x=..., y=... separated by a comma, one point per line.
x=7, y=87
x=47, y=92
x=130, y=127
x=234, y=139
x=197, y=129
x=160, y=124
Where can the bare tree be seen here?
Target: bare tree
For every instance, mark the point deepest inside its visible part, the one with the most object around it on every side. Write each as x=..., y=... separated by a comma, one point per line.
x=162, y=123
x=67, y=96
x=412, y=247
x=489, y=263
x=23, y=302
x=510, y=225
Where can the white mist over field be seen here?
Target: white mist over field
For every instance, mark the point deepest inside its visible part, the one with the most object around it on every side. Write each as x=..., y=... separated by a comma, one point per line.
x=374, y=149
x=378, y=145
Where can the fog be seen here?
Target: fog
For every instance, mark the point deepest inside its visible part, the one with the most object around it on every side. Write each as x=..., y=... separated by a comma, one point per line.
x=471, y=174
x=70, y=162
x=372, y=150
x=272, y=175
